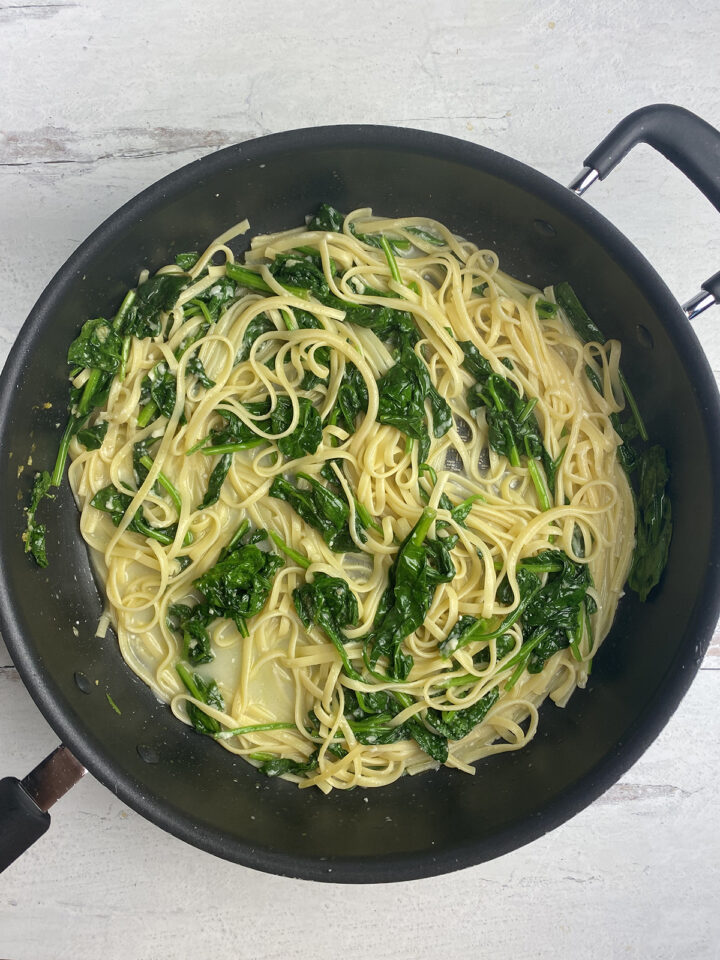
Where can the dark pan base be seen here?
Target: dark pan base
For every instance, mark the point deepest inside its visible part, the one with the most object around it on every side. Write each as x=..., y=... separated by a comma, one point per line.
x=439, y=821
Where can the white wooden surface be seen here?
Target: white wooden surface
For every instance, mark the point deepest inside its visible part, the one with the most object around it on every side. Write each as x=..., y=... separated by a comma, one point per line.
x=97, y=100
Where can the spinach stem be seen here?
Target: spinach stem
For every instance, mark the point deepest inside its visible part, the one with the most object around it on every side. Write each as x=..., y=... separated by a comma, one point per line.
x=236, y=538
x=288, y=320
x=422, y=526
x=124, y=307
x=165, y=483
x=91, y=385
x=632, y=403
x=189, y=680
x=203, y=309
x=252, y=728
x=196, y=446
x=521, y=658
x=293, y=554
x=253, y=281
x=248, y=278
x=424, y=468
x=392, y=262
x=70, y=430
x=124, y=358
x=232, y=447
x=145, y=530
x=146, y=414
x=365, y=517
x=538, y=482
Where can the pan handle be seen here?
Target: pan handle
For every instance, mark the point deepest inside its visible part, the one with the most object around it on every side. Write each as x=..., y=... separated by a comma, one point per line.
x=24, y=804
x=687, y=141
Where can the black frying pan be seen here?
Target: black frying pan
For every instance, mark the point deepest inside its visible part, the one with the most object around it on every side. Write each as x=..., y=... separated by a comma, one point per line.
x=437, y=822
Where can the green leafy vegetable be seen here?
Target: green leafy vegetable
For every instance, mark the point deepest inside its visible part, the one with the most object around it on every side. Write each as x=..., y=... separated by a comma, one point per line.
x=513, y=429
x=288, y=551
x=92, y=437
x=205, y=690
x=35, y=533
x=654, y=522
x=529, y=584
x=426, y=236
x=467, y=629
x=352, y=398
x=327, y=219
x=588, y=332
x=320, y=508
x=116, y=503
x=98, y=346
x=142, y=464
x=236, y=588
x=456, y=724
x=273, y=766
x=394, y=326
x=545, y=309
x=224, y=441
x=192, y=622
x=420, y=565
x=577, y=315
x=329, y=603
x=195, y=366
x=214, y=300
x=216, y=480
x=160, y=388
x=403, y=391
x=186, y=261
x=152, y=300
x=460, y=512
x=235, y=434
x=252, y=728
x=307, y=435
x=102, y=349
x=257, y=326
x=553, y=615
x=370, y=717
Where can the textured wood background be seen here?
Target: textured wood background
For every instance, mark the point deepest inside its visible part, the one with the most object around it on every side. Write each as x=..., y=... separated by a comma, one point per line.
x=98, y=100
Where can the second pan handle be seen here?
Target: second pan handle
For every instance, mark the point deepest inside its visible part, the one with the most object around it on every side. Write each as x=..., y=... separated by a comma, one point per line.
x=687, y=141
x=24, y=804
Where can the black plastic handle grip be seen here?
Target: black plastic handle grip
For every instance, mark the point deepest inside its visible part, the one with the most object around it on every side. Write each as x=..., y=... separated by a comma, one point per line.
x=21, y=819
x=686, y=140
x=24, y=804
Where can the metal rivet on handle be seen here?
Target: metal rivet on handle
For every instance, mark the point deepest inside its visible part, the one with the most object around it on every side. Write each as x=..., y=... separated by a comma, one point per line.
x=586, y=178
x=698, y=304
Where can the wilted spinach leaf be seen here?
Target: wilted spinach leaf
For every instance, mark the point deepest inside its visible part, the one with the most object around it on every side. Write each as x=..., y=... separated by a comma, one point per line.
x=206, y=691
x=321, y=508
x=329, y=603
x=653, y=522
x=403, y=391
x=420, y=565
